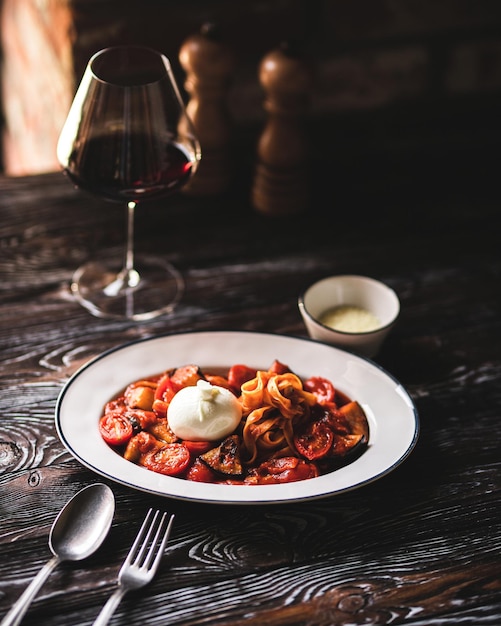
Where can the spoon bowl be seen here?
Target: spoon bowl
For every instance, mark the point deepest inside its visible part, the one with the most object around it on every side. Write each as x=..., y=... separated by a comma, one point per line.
x=82, y=525
x=79, y=529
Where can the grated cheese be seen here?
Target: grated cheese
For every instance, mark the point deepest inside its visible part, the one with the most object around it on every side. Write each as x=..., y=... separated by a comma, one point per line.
x=351, y=319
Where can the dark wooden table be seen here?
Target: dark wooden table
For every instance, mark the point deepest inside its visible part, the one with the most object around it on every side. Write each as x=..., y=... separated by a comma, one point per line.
x=420, y=546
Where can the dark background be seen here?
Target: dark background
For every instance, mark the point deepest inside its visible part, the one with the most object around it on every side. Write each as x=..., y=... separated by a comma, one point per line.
x=406, y=91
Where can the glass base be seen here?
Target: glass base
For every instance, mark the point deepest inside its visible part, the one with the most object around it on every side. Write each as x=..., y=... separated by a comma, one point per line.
x=153, y=288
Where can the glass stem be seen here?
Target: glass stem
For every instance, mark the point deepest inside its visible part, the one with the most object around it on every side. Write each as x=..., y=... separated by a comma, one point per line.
x=132, y=276
x=129, y=250
x=128, y=278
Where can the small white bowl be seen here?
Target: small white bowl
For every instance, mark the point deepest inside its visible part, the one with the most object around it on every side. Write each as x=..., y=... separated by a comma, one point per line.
x=368, y=300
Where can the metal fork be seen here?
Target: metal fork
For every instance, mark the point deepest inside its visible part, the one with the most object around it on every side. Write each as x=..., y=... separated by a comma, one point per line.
x=141, y=563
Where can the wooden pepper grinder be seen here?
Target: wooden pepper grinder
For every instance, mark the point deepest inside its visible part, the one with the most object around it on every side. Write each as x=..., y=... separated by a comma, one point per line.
x=209, y=65
x=281, y=185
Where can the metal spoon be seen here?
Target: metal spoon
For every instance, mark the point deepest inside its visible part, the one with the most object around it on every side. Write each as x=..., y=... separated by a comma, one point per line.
x=77, y=532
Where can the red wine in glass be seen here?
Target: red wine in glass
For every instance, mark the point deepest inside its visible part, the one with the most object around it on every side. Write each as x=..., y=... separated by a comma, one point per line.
x=127, y=138
x=91, y=167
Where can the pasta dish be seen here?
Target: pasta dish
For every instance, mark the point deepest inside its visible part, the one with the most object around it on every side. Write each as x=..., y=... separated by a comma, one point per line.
x=243, y=426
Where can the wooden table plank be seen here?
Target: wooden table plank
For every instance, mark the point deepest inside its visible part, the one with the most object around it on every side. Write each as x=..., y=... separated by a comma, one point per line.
x=420, y=546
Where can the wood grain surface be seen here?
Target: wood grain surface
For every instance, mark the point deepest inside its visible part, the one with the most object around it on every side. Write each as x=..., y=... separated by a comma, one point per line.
x=420, y=546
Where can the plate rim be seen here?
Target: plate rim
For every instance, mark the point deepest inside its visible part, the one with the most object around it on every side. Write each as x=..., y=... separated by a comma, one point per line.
x=265, y=494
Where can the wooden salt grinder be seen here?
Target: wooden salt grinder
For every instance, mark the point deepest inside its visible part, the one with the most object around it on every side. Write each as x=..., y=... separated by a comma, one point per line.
x=281, y=185
x=209, y=65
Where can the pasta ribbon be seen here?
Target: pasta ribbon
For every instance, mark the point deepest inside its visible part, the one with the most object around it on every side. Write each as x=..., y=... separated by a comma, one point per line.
x=272, y=404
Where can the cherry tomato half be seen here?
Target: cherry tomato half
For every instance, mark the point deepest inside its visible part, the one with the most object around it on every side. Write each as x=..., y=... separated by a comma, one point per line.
x=199, y=472
x=240, y=374
x=287, y=469
x=118, y=404
x=315, y=441
x=115, y=428
x=171, y=459
x=163, y=395
x=322, y=388
x=277, y=367
x=197, y=448
x=164, y=390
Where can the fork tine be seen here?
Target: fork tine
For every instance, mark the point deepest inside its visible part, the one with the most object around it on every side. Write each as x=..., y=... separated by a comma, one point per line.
x=138, y=540
x=159, y=553
x=149, y=550
x=146, y=540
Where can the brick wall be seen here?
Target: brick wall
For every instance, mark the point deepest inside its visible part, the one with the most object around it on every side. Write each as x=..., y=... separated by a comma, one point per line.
x=387, y=72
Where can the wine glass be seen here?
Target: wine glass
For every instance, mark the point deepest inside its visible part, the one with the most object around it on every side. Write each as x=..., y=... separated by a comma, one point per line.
x=128, y=138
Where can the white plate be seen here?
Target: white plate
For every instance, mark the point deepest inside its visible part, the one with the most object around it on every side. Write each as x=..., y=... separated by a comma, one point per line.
x=392, y=416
